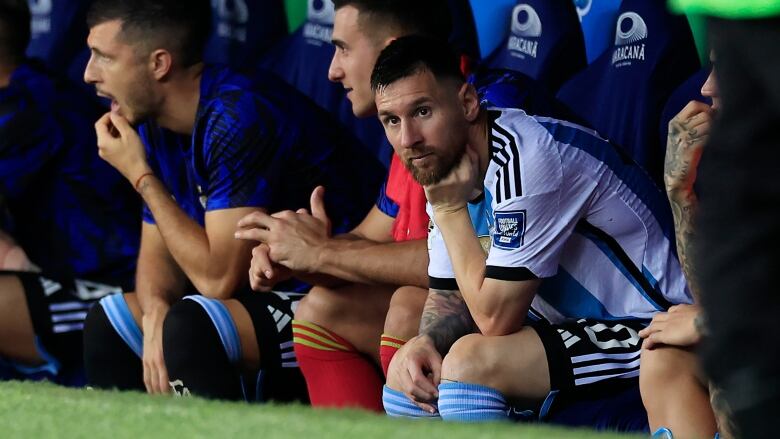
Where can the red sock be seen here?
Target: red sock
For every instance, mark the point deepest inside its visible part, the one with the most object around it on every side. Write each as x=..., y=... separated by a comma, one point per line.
x=337, y=375
x=388, y=347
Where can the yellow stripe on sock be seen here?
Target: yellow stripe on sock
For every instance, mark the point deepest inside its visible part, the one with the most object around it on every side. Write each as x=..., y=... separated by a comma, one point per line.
x=310, y=344
x=391, y=344
x=314, y=327
x=326, y=342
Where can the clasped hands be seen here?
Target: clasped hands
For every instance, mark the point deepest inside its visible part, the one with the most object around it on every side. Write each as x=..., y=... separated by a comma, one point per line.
x=289, y=242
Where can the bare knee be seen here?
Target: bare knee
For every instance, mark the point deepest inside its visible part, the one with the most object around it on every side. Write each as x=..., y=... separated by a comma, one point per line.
x=321, y=305
x=470, y=360
x=660, y=369
x=666, y=364
x=403, y=317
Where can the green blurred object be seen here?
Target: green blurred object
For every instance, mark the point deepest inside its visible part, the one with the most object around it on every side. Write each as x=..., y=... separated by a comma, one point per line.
x=698, y=25
x=296, y=13
x=733, y=9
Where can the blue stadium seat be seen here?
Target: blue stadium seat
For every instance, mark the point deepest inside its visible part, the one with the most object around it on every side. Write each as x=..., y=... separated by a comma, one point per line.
x=597, y=18
x=242, y=30
x=491, y=20
x=58, y=31
x=544, y=41
x=303, y=58
x=623, y=92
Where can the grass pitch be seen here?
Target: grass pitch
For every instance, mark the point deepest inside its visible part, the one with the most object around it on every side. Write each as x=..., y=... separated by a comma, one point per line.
x=39, y=410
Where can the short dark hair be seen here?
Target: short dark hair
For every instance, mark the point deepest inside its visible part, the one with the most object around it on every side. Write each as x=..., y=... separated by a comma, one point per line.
x=414, y=54
x=182, y=26
x=14, y=30
x=422, y=17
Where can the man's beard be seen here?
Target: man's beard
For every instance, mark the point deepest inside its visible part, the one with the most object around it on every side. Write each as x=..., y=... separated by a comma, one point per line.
x=441, y=170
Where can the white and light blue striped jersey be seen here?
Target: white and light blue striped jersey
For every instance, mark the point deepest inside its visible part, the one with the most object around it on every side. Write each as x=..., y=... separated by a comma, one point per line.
x=572, y=209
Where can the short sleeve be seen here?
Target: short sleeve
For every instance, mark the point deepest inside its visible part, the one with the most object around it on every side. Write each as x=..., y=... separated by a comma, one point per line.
x=529, y=235
x=243, y=155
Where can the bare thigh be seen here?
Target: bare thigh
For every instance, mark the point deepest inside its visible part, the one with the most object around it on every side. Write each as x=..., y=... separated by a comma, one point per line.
x=17, y=336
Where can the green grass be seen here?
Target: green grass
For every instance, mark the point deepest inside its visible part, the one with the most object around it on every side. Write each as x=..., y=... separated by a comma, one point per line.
x=35, y=410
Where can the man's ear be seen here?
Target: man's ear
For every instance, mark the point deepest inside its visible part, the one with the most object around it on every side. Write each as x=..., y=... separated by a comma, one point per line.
x=160, y=63
x=470, y=101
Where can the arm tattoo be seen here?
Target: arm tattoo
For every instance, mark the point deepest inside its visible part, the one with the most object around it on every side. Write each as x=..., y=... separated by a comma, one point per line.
x=446, y=318
x=683, y=150
x=684, y=215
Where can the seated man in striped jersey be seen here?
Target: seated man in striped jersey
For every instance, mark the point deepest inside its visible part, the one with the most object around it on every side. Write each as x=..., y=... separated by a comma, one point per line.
x=580, y=257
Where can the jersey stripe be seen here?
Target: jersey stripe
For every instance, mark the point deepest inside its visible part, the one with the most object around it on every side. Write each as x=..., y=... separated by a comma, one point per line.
x=620, y=164
x=608, y=244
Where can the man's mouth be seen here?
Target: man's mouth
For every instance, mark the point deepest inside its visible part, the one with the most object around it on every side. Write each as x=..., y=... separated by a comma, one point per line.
x=414, y=158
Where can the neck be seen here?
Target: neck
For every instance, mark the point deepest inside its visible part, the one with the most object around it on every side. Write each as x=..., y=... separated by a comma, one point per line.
x=478, y=139
x=6, y=71
x=181, y=101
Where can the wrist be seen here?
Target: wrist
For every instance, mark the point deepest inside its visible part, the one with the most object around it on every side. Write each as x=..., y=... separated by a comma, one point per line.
x=444, y=210
x=322, y=253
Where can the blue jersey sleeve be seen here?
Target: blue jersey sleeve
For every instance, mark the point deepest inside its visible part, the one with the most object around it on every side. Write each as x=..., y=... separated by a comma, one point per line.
x=385, y=203
x=243, y=154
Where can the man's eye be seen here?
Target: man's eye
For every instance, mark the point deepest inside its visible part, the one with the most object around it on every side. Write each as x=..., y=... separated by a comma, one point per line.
x=424, y=111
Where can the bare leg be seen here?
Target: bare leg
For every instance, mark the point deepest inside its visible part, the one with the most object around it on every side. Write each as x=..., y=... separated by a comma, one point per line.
x=355, y=312
x=515, y=365
x=403, y=317
x=673, y=394
x=17, y=337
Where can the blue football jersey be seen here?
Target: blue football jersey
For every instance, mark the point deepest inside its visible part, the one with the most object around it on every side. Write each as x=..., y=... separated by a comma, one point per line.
x=257, y=142
x=74, y=215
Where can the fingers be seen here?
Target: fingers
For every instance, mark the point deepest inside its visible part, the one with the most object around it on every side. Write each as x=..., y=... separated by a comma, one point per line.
x=148, y=376
x=103, y=128
x=422, y=388
x=259, y=235
x=261, y=261
x=317, y=204
x=162, y=380
x=652, y=329
x=425, y=406
x=120, y=123
x=256, y=219
x=693, y=108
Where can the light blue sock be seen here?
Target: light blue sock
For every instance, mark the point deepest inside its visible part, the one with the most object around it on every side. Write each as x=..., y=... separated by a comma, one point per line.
x=663, y=433
x=471, y=403
x=399, y=406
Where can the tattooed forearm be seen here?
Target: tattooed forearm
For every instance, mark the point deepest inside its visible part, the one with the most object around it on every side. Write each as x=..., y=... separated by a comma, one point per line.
x=446, y=318
x=688, y=133
x=684, y=212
